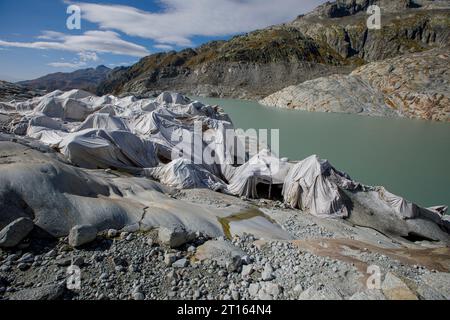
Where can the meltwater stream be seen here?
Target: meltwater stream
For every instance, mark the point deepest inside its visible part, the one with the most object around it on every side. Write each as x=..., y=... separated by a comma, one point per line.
x=410, y=158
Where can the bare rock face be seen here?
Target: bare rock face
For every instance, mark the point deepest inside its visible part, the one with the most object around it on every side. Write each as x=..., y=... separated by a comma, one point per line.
x=438, y=284
x=413, y=86
x=341, y=8
x=16, y=231
x=11, y=91
x=406, y=27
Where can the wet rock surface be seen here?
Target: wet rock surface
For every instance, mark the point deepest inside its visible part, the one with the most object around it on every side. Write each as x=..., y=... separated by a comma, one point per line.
x=413, y=86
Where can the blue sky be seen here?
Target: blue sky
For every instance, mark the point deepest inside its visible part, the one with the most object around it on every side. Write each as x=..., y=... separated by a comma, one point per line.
x=35, y=41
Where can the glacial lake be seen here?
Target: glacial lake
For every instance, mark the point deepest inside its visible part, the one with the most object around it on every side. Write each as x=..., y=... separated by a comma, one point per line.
x=410, y=158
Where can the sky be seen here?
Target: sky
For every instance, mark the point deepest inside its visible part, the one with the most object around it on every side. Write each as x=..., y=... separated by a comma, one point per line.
x=35, y=39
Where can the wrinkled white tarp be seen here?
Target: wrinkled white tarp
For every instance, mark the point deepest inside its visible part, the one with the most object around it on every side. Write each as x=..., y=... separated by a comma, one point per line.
x=311, y=186
x=130, y=133
x=183, y=174
x=104, y=121
x=263, y=168
x=100, y=149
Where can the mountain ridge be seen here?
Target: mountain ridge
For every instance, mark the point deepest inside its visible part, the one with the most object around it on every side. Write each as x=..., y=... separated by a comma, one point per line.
x=84, y=79
x=259, y=63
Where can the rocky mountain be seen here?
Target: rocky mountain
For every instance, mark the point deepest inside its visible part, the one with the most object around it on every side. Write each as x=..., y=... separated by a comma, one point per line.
x=407, y=27
x=333, y=39
x=11, y=91
x=85, y=79
x=252, y=65
x=412, y=85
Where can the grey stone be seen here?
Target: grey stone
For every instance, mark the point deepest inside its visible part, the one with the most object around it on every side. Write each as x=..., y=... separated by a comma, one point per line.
x=182, y=263
x=267, y=274
x=112, y=233
x=174, y=237
x=169, y=258
x=439, y=282
x=224, y=253
x=235, y=295
x=234, y=264
x=15, y=232
x=298, y=288
x=26, y=258
x=47, y=292
x=395, y=289
x=81, y=235
x=23, y=266
x=253, y=289
x=247, y=270
x=317, y=292
x=78, y=261
x=138, y=296
x=272, y=289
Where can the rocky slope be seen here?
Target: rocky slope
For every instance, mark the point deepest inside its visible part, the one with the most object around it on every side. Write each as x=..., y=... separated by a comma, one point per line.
x=333, y=39
x=86, y=79
x=406, y=26
x=11, y=91
x=328, y=261
x=413, y=86
x=251, y=65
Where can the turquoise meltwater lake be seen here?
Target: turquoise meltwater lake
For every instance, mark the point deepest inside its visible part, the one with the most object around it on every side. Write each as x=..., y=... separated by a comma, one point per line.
x=409, y=157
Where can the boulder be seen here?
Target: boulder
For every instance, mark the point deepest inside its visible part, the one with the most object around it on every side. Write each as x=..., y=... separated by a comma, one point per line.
x=47, y=292
x=223, y=252
x=247, y=270
x=81, y=235
x=267, y=274
x=265, y=290
x=169, y=259
x=316, y=292
x=182, y=263
x=174, y=237
x=395, y=289
x=16, y=231
x=270, y=291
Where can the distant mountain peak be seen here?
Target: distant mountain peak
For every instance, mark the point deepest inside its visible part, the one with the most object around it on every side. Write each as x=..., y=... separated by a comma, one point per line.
x=102, y=67
x=85, y=79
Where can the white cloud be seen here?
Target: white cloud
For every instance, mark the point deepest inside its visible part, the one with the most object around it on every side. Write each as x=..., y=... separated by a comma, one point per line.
x=163, y=47
x=70, y=65
x=90, y=41
x=180, y=20
x=83, y=59
x=88, y=56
